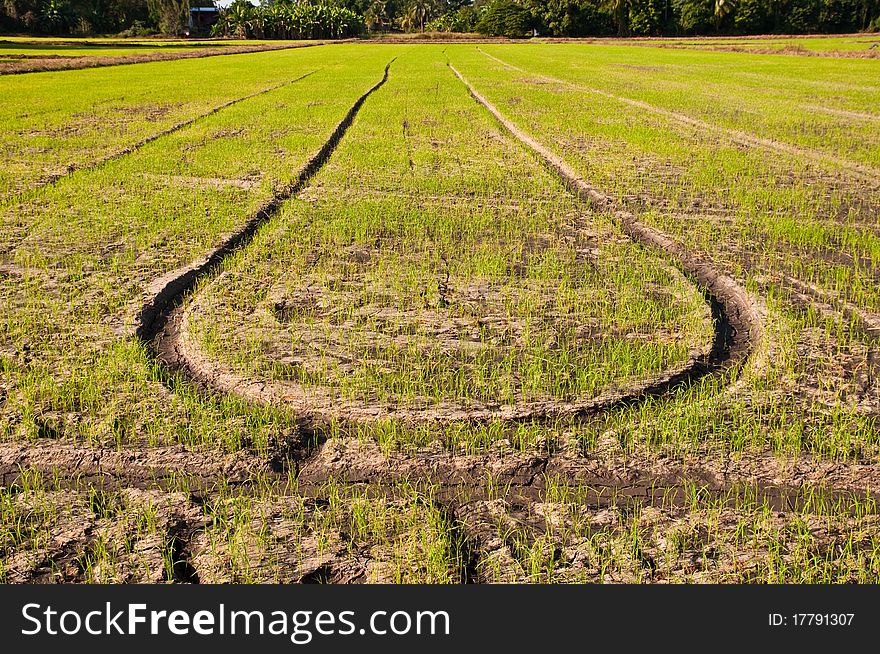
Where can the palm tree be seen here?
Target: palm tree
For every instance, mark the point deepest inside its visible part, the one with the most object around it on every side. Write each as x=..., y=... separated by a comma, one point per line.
x=277, y=21
x=722, y=9
x=417, y=14
x=237, y=17
x=619, y=9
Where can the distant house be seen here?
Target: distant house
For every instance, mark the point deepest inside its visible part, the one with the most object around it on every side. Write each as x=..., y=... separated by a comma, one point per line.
x=201, y=19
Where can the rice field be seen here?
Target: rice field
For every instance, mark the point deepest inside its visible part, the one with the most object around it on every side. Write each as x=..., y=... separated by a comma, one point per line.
x=845, y=45
x=20, y=55
x=527, y=312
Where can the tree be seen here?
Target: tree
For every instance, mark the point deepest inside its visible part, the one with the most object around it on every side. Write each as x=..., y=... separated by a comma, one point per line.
x=417, y=14
x=840, y=16
x=315, y=18
x=619, y=10
x=171, y=16
x=722, y=10
x=55, y=16
x=505, y=18
x=752, y=17
x=695, y=16
x=284, y=20
x=644, y=17
x=802, y=17
x=571, y=17
x=376, y=16
x=463, y=19
x=235, y=19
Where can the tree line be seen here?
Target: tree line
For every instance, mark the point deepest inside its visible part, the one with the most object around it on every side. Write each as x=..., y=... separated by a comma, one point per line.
x=575, y=18
x=512, y=18
x=670, y=17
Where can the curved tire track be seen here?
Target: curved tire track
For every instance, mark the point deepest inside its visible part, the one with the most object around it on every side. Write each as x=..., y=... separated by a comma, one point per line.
x=736, y=321
x=738, y=324
x=165, y=292
x=318, y=404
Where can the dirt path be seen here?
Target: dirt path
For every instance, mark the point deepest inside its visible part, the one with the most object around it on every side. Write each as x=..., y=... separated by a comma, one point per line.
x=863, y=172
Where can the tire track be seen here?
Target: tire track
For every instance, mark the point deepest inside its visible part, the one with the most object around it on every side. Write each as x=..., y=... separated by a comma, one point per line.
x=738, y=324
x=863, y=172
x=130, y=149
x=735, y=319
x=165, y=292
x=316, y=405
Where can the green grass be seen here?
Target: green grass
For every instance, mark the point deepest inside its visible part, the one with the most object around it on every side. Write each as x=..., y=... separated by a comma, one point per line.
x=72, y=119
x=434, y=262
x=761, y=95
x=85, y=249
x=479, y=279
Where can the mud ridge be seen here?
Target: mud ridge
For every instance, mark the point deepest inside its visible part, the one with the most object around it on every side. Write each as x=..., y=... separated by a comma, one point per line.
x=72, y=168
x=453, y=479
x=136, y=467
x=785, y=484
x=737, y=318
x=864, y=172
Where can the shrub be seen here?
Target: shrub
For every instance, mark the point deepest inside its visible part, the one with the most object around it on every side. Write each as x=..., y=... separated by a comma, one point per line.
x=288, y=21
x=462, y=20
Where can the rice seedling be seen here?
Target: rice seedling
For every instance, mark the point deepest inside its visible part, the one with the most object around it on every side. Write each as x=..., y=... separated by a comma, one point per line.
x=392, y=345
